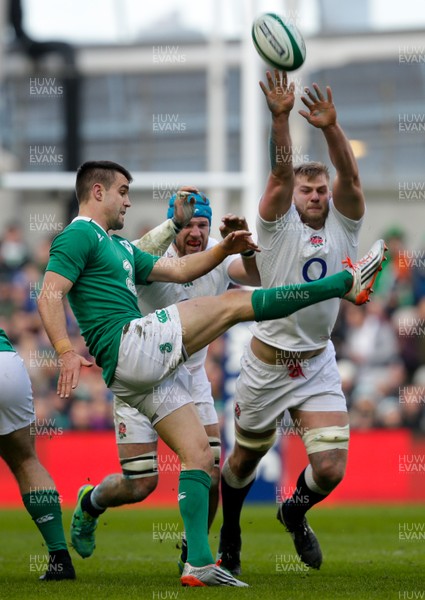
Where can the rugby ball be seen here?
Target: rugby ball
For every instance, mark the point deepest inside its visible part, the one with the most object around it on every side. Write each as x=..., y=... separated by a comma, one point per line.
x=280, y=44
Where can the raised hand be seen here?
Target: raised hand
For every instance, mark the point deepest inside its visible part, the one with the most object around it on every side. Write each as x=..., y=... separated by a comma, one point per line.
x=280, y=98
x=231, y=222
x=184, y=209
x=322, y=111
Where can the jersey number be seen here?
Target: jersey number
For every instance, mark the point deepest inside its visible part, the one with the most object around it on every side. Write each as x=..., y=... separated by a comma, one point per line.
x=127, y=266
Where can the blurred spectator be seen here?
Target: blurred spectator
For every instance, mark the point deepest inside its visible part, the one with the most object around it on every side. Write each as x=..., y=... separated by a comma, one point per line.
x=412, y=407
x=13, y=248
x=388, y=413
x=394, y=282
x=369, y=338
x=418, y=274
x=363, y=408
x=347, y=371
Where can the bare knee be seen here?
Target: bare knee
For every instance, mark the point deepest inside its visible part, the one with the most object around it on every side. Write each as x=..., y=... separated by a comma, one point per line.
x=198, y=457
x=206, y=460
x=328, y=468
x=140, y=488
x=18, y=450
x=237, y=306
x=243, y=461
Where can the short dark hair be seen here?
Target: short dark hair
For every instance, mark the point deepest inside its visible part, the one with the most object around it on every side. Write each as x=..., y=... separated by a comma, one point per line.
x=97, y=171
x=312, y=170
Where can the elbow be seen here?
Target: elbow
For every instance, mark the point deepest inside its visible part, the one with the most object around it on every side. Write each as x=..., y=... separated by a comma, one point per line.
x=42, y=302
x=283, y=176
x=48, y=299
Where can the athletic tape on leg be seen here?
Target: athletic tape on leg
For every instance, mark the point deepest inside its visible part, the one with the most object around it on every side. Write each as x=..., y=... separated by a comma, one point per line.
x=257, y=444
x=144, y=465
x=321, y=439
x=215, y=445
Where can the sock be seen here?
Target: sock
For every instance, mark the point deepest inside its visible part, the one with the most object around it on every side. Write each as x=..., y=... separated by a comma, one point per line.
x=303, y=498
x=45, y=510
x=284, y=300
x=194, y=488
x=90, y=506
x=232, y=501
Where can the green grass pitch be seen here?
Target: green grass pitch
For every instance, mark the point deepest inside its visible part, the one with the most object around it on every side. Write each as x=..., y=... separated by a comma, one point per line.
x=369, y=553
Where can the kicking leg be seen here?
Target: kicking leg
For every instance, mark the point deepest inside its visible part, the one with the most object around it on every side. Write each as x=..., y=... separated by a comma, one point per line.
x=204, y=319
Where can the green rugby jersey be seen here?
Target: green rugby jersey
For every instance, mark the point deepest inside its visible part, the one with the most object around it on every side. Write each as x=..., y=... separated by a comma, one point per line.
x=104, y=271
x=5, y=345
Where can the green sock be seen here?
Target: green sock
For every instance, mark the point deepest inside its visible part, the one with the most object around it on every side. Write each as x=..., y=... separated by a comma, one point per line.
x=45, y=510
x=194, y=487
x=284, y=300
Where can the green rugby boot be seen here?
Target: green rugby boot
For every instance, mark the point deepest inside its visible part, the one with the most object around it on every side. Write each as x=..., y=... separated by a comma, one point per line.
x=83, y=526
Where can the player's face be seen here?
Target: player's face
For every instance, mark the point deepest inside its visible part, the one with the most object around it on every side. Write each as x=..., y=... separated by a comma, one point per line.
x=116, y=202
x=194, y=237
x=311, y=198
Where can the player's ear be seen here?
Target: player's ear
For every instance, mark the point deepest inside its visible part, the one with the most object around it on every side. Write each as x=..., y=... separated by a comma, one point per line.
x=97, y=191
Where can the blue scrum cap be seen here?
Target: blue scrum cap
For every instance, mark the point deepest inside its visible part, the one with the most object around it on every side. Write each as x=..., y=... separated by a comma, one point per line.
x=202, y=206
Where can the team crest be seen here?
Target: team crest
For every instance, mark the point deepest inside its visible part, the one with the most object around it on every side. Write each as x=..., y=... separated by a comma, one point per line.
x=316, y=241
x=237, y=410
x=122, y=430
x=127, y=245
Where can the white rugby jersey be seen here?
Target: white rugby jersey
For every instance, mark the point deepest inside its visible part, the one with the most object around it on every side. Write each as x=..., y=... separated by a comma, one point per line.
x=158, y=294
x=292, y=252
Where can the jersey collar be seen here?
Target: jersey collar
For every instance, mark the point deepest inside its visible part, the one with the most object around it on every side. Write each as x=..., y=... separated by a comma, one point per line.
x=90, y=221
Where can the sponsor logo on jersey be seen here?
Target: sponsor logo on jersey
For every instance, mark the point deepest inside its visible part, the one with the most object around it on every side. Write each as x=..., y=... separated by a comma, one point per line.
x=162, y=315
x=181, y=496
x=126, y=245
x=167, y=347
x=317, y=241
x=99, y=237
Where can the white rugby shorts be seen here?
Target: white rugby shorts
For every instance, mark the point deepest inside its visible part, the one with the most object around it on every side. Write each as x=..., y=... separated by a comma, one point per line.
x=134, y=427
x=16, y=401
x=149, y=356
x=263, y=392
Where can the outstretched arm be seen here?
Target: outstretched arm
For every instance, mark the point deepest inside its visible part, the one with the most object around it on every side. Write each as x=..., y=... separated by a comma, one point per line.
x=190, y=267
x=52, y=312
x=277, y=196
x=347, y=191
x=157, y=240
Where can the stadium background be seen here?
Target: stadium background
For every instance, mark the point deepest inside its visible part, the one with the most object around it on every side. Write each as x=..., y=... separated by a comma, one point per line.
x=181, y=105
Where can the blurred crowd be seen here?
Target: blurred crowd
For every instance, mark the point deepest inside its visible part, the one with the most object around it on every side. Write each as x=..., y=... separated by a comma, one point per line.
x=380, y=346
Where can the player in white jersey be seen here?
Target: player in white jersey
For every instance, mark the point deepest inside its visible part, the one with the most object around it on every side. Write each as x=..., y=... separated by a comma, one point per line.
x=135, y=435
x=305, y=228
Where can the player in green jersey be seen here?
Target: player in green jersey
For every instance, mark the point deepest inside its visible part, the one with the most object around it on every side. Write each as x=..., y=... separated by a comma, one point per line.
x=17, y=448
x=135, y=436
x=98, y=272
